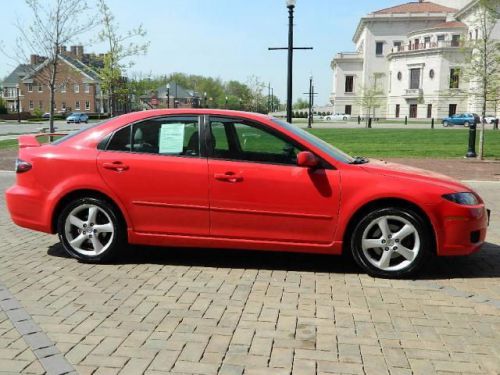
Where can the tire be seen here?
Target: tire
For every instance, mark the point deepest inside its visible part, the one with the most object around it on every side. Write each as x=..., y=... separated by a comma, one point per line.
x=466, y=124
x=445, y=123
x=394, y=229
x=107, y=235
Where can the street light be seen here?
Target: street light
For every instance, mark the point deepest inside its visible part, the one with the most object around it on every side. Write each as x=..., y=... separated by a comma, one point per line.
x=290, y=4
x=18, y=104
x=225, y=106
x=168, y=95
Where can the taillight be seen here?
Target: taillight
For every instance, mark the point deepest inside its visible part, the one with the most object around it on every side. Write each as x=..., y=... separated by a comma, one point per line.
x=22, y=166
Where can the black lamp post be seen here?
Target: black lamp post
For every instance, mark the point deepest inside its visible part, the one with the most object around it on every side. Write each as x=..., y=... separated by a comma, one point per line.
x=290, y=4
x=471, y=152
x=18, y=104
x=168, y=95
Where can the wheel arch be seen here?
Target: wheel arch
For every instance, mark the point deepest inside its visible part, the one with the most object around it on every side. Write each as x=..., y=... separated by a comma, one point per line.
x=383, y=203
x=84, y=193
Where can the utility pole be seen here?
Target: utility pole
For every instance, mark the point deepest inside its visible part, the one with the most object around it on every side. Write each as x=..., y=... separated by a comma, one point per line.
x=290, y=4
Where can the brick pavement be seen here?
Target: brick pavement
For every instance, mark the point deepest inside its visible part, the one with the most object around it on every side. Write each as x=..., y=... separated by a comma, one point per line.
x=180, y=311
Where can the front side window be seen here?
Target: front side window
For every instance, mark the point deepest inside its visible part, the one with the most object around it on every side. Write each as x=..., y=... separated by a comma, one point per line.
x=162, y=136
x=234, y=139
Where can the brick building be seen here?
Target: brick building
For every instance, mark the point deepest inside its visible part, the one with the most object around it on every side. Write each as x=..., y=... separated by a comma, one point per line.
x=78, y=84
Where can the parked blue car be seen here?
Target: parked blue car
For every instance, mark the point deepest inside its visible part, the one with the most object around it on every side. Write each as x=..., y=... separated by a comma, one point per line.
x=77, y=117
x=465, y=119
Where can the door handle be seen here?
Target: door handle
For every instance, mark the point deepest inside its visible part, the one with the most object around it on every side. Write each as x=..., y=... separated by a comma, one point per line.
x=228, y=177
x=117, y=166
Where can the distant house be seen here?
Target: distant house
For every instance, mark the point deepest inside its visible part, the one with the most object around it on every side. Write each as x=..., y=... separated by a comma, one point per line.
x=78, y=84
x=175, y=96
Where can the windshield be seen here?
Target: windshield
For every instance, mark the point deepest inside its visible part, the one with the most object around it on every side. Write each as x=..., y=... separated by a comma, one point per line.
x=322, y=145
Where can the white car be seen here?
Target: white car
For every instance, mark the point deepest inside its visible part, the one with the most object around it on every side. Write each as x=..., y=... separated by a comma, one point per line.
x=489, y=119
x=338, y=117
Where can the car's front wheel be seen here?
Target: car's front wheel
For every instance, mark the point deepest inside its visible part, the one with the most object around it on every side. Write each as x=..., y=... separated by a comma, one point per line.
x=391, y=242
x=90, y=229
x=466, y=124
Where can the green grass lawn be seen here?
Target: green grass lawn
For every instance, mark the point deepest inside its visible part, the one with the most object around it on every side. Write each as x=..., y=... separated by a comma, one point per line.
x=392, y=143
x=400, y=143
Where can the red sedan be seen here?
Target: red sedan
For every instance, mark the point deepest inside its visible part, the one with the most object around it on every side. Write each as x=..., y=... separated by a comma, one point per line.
x=224, y=179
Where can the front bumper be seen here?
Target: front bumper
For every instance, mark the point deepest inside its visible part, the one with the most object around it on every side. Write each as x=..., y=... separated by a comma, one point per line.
x=463, y=229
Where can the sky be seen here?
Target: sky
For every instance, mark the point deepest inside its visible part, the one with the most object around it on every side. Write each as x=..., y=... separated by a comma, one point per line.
x=228, y=39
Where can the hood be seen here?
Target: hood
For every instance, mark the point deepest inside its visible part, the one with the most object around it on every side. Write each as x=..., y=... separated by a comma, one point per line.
x=404, y=171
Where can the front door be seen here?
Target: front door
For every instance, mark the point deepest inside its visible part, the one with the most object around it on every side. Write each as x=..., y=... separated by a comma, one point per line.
x=257, y=191
x=155, y=169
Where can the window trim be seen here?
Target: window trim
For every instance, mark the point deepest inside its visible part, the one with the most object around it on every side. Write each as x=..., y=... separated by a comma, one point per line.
x=304, y=147
x=102, y=145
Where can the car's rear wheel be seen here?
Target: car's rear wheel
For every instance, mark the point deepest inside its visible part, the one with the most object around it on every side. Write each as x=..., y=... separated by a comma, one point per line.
x=391, y=242
x=90, y=229
x=445, y=123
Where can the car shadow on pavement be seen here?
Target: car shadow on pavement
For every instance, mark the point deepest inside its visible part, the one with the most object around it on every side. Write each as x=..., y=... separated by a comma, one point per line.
x=485, y=264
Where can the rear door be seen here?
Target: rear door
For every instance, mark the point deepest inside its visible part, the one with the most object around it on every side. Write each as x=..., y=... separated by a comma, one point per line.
x=156, y=170
x=257, y=191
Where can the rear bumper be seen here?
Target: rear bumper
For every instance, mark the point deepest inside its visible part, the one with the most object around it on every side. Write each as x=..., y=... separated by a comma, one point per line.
x=27, y=208
x=463, y=229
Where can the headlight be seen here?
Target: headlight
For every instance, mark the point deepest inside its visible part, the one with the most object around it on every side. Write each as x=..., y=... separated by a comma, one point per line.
x=466, y=198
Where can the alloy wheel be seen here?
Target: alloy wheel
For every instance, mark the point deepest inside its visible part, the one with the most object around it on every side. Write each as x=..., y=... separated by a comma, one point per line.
x=390, y=243
x=89, y=230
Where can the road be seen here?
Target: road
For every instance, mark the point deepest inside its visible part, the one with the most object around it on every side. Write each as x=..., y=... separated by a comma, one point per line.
x=199, y=311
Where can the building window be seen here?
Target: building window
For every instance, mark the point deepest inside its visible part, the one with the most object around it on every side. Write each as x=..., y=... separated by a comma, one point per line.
x=398, y=110
x=477, y=34
x=63, y=88
x=31, y=104
x=63, y=106
x=441, y=38
x=77, y=105
x=40, y=88
x=379, y=49
x=40, y=104
x=348, y=109
x=427, y=41
x=452, y=110
x=455, y=40
x=414, y=79
x=87, y=105
x=87, y=88
x=454, y=78
x=400, y=76
x=397, y=46
x=76, y=88
x=417, y=43
x=30, y=87
x=429, y=110
x=431, y=74
x=349, y=84
x=413, y=110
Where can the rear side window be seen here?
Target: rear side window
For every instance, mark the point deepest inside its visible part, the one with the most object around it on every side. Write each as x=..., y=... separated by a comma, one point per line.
x=163, y=136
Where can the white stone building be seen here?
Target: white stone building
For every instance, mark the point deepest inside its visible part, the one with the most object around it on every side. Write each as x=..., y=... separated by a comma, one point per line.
x=412, y=53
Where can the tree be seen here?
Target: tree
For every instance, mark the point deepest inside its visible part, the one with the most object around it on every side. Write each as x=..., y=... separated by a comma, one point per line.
x=301, y=104
x=55, y=24
x=371, y=97
x=3, y=108
x=482, y=67
x=120, y=48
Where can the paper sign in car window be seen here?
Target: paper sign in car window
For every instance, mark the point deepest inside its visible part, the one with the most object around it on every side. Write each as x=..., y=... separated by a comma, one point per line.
x=171, y=138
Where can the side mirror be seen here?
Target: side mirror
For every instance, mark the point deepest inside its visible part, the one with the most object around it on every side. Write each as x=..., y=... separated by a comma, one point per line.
x=307, y=159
